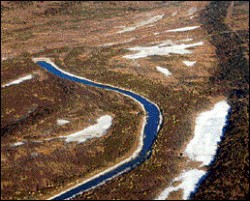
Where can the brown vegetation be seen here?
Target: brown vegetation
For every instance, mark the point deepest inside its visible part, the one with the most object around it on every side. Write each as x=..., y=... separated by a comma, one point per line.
x=228, y=177
x=39, y=166
x=75, y=34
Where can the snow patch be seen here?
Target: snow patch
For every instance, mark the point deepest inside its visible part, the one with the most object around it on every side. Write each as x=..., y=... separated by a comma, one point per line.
x=202, y=148
x=189, y=63
x=142, y=23
x=183, y=29
x=208, y=132
x=108, y=44
x=189, y=180
x=191, y=11
x=61, y=122
x=34, y=154
x=17, y=144
x=111, y=44
x=165, y=71
x=94, y=131
x=174, y=13
x=164, y=48
x=187, y=40
x=18, y=81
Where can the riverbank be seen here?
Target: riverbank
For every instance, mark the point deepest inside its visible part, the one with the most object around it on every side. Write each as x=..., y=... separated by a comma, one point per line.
x=35, y=168
x=148, y=132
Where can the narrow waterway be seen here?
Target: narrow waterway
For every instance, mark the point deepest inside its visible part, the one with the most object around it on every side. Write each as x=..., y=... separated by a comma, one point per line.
x=149, y=133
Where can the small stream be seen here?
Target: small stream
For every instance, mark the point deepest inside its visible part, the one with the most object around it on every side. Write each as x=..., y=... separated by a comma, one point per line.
x=150, y=131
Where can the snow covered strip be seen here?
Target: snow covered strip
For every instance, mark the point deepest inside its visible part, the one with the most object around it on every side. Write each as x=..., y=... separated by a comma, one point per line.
x=183, y=29
x=117, y=43
x=61, y=122
x=189, y=63
x=202, y=148
x=188, y=179
x=142, y=23
x=165, y=48
x=174, y=13
x=208, y=132
x=165, y=71
x=18, y=81
x=18, y=144
x=94, y=131
x=192, y=10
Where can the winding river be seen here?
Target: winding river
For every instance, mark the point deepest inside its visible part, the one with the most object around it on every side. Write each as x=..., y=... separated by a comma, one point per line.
x=149, y=132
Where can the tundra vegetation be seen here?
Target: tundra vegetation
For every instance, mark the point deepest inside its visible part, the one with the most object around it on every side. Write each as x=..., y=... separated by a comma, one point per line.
x=74, y=34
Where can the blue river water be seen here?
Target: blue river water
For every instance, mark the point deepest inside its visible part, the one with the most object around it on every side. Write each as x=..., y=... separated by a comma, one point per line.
x=153, y=122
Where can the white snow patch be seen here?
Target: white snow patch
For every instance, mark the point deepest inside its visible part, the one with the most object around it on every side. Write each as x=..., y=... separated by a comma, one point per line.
x=38, y=141
x=48, y=139
x=208, y=132
x=142, y=23
x=189, y=63
x=108, y=44
x=189, y=180
x=61, y=122
x=191, y=11
x=187, y=40
x=164, y=48
x=183, y=29
x=165, y=71
x=17, y=144
x=34, y=154
x=18, y=81
x=174, y=13
x=97, y=130
x=111, y=44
